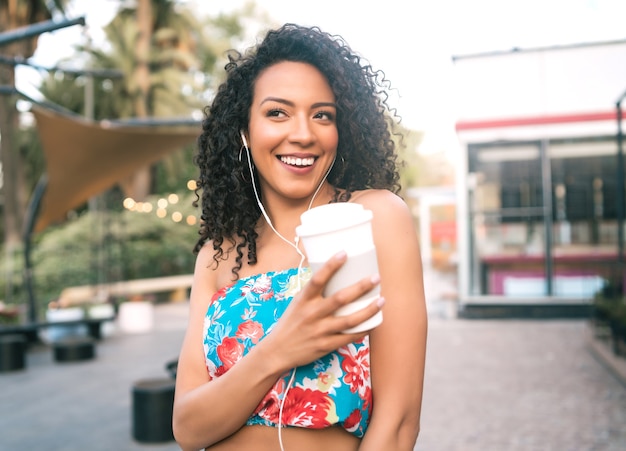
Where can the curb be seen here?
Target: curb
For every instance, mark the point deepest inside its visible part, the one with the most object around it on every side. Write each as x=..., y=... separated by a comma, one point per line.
x=602, y=351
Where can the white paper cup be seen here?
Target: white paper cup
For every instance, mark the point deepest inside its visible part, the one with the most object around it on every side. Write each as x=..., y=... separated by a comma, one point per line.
x=329, y=229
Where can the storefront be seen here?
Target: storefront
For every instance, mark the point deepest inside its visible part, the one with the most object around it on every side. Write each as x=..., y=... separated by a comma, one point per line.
x=540, y=216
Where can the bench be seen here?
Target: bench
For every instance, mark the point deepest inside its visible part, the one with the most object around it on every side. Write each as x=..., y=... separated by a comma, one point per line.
x=30, y=330
x=176, y=285
x=82, y=295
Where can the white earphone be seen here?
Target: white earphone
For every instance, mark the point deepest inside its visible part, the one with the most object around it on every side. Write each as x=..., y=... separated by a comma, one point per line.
x=295, y=245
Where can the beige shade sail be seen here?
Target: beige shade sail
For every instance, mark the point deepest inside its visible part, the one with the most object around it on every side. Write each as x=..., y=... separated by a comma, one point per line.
x=85, y=158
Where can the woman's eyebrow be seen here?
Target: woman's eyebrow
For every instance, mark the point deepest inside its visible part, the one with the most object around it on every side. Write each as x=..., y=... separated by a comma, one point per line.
x=277, y=99
x=290, y=103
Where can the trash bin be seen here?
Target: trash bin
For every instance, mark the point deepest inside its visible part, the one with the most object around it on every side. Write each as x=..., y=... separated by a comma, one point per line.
x=74, y=349
x=153, y=402
x=12, y=350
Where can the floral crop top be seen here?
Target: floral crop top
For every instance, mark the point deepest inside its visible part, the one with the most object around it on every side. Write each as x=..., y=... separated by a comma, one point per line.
x=334, y=390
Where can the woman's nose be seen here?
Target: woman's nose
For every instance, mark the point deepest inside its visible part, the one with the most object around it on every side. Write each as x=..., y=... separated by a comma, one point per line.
x=301, y=131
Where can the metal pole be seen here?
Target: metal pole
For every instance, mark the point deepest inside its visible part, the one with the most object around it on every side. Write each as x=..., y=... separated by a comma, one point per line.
x=31, y=219
x=619, y=198
x=89, y=98
x=36, y=29
x=546, y=180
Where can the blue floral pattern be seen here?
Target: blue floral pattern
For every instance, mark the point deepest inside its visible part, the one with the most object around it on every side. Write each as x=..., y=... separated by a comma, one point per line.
x=336, y=389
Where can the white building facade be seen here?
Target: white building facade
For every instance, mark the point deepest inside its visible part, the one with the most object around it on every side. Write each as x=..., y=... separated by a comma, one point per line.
x=540, y=197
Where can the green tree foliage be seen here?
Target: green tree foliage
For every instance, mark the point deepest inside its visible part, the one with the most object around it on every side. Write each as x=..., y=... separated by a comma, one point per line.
x=186, y=51
x=106, y=246
x=186, y=54
x=13, y=15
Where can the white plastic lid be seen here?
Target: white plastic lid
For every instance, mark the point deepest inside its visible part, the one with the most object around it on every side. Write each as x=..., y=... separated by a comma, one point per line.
x=331, y=217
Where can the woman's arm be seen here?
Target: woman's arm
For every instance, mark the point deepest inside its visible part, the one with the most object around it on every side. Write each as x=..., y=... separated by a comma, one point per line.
x=206, y=412
x=398, y=345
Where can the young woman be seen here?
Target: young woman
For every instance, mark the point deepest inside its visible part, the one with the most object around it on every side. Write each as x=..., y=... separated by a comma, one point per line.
x=301, y=121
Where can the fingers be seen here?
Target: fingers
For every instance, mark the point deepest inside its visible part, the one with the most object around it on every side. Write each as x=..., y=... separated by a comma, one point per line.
x=351, y=306
x=315, y=286
x=353, y=321
x=339, y=311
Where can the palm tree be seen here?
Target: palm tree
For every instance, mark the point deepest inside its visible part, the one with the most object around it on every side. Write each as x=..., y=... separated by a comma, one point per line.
x=165, y=53
x=184, y=54
x=15, y=14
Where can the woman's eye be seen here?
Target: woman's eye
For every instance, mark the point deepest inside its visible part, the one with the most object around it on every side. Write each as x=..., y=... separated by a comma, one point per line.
x=327, y=115
x=275, y=113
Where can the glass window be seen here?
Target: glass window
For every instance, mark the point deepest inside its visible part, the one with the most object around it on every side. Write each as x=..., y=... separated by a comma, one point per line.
x=543, y=218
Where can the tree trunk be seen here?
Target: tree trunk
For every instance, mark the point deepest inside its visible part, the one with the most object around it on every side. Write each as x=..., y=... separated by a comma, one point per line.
x=138, y=185
x=13, y=189
x=14, y=14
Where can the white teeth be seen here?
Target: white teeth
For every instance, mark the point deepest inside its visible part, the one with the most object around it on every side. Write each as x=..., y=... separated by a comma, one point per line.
x=293, y=161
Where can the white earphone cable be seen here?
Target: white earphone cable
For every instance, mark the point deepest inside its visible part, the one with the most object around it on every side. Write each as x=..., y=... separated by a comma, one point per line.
x=280, y=410
x=295, y=245
x=296, y=242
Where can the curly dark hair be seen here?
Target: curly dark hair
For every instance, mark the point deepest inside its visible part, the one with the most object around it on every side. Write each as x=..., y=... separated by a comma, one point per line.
x=365, y=123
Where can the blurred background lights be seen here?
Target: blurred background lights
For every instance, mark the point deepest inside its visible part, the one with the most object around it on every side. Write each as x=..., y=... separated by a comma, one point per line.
x=160, y=209
x=129, y=203
x=191, y=185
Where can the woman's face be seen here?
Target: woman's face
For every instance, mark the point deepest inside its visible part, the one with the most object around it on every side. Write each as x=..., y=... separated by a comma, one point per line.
x=293, y=130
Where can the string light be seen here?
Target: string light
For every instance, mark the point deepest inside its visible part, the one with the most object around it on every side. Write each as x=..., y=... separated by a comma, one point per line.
x=161, y=207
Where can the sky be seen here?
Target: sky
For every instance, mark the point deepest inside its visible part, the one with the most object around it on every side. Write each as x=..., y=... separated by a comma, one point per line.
x=412, y=41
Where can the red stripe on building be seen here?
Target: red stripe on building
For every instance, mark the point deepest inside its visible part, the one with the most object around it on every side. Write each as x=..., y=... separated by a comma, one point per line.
x=536, y=120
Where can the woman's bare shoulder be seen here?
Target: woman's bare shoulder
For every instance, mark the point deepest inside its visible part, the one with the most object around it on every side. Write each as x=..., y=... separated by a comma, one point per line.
x=213, y=269
x=380, y=200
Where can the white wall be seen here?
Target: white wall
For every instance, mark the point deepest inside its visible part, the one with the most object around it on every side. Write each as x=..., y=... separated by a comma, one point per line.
x=557, y=80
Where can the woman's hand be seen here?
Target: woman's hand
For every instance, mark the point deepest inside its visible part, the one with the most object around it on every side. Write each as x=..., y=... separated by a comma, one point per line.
x=309, y=328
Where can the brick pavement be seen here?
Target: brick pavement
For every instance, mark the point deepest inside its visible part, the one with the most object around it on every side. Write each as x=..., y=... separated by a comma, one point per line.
x=491, y=385
x=515, y=385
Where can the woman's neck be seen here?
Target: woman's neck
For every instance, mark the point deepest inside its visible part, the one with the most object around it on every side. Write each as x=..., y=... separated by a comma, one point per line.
x=284, y=214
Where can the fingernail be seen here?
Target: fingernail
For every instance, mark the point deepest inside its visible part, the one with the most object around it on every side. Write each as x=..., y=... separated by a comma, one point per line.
x=375, y=278
x=380, y=302
x=341, y=255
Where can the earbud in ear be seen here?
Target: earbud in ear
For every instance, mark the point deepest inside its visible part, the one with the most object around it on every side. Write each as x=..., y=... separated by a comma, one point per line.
x=243, y=138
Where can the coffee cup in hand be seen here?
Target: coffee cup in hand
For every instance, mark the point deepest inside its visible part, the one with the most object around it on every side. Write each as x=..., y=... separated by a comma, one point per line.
x=331, y=228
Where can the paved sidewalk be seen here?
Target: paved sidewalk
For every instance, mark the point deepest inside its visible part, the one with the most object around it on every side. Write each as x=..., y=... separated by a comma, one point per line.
x=515, y=385
x=80, y=406
x=491, y=385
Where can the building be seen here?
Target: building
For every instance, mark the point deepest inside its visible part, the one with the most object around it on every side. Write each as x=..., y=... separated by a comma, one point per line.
x=540, y=197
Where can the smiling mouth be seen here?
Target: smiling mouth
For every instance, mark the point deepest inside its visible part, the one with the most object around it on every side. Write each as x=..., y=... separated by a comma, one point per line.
x=299, y=162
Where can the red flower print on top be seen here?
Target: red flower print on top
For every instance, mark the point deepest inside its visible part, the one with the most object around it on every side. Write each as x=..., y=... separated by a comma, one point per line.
x=352, y=422
x=262, y=285
x=356, y=366
x=367, y=398
x=219, y=371
x=229, y=352
x=306, y=408
x=250, y=329
x=271, y=399
x=219, y=294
